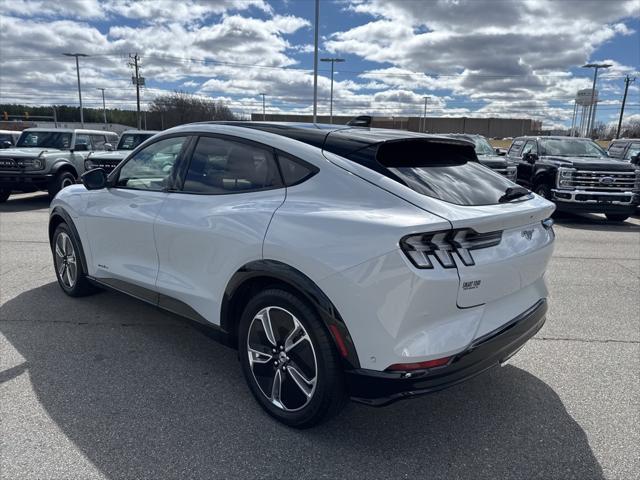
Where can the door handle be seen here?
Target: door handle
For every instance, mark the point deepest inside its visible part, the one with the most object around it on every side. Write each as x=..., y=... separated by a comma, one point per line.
x=133, y=205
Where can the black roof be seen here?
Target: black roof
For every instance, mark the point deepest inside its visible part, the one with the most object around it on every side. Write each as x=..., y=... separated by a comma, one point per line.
x=339, y=139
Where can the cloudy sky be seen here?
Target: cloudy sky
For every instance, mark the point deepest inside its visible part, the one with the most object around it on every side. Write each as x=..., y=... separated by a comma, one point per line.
x=513, y=58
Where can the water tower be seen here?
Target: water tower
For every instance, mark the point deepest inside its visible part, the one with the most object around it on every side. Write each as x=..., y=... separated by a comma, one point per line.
x=585, y=104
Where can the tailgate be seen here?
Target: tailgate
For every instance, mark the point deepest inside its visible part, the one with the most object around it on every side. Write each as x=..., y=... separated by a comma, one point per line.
x=517, y=261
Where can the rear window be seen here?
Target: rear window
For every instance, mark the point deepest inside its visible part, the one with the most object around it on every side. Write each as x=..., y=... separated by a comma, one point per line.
x=468, y=184
x=448, y=172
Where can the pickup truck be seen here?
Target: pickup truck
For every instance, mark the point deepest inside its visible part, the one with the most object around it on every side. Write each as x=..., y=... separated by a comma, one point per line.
x=627, y=149
x=489, y=156
x=578, y=175
x=108, y=160
x=48, y=159
x=8, y=138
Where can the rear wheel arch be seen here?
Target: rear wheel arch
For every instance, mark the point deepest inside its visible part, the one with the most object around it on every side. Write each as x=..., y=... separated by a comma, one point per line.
x=265, y=274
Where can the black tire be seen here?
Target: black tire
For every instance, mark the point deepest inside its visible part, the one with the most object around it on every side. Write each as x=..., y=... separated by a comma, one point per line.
x=69, y=272
x=62, y=179
x=298, y=408
x=4, y=195
x=544, y=191
x=617, y=217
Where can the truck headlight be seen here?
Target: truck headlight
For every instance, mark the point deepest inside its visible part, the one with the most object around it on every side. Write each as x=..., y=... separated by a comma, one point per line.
x=32, y=164
x=512, y=172
x=565, y=178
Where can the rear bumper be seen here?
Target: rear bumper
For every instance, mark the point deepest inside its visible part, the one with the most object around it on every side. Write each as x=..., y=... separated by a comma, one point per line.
x=381, y=388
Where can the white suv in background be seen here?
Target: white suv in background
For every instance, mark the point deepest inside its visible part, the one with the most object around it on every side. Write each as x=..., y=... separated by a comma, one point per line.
x=342, y=262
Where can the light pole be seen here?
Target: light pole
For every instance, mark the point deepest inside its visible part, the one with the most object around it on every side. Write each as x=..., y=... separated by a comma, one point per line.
x=592, y=108
x=78, y=72
x=315, y=63
x=104, y=105
x=264, y=111
x=332, y=60
x=424, y=130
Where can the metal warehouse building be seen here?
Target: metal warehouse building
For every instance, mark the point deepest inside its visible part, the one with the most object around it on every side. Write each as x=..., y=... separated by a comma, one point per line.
x=489, y=127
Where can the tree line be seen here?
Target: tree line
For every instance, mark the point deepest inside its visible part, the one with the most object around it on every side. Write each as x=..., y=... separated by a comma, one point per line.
x=165, y=111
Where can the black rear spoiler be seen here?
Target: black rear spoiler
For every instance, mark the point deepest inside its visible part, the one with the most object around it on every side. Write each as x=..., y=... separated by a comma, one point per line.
x=361, y=121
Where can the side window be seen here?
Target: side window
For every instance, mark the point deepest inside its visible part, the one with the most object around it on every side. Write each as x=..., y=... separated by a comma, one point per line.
x=293, y=170
x=221, y=166
x=82, y=139
x=514, y=150
x=151, y=167
x=98, y=142
x=634, y=149
x=530, y=147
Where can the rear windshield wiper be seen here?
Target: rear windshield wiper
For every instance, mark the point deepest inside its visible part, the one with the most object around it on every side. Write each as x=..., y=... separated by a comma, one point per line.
x=512, y=193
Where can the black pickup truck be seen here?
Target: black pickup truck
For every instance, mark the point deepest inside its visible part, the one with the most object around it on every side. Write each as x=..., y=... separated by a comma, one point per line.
x=578, y=175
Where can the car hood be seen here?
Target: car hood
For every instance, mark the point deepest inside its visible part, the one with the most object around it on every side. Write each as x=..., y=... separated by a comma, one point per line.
x=493, y=161
x=27, y=152
x=586, y=163
x=113, y=155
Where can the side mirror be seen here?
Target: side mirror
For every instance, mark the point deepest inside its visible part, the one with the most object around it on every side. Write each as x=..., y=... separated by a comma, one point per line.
x=501, y=152
x=6, y=144
x=530, y=157
x=81, y=147
x=95, y=179
x=108, y=147
x=636, y=159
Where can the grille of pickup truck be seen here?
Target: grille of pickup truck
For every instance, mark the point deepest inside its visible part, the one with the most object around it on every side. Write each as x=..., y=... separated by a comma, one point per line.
x=10, y=164
x=599, y=180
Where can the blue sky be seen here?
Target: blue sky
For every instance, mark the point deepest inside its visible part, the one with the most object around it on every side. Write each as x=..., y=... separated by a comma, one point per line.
x=480, y=58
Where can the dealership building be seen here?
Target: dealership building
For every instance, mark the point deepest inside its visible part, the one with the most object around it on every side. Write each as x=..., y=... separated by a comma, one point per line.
x=489, y=127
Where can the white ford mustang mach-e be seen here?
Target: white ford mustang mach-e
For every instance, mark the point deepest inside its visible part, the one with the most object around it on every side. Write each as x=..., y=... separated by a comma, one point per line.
x=342, y=262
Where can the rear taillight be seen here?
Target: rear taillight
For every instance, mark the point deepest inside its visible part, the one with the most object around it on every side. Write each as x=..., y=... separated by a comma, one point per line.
x=406, y=367
x=421, y=248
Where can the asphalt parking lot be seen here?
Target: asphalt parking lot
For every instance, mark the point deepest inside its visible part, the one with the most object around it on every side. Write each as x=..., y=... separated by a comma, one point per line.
x=106, y=387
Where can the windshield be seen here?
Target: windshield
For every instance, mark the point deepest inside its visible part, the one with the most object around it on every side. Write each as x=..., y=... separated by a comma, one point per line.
x=634, y=149
x=571, y=148
x=130, y=141
x=60, y=140
x=483, y=147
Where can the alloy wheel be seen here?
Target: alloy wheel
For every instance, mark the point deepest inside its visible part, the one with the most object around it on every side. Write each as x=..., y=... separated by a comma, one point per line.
x=282, y=358
x=66, y=264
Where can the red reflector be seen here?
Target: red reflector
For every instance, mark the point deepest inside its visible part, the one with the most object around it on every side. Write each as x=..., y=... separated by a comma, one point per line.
x=403, y=367
x=337, y=336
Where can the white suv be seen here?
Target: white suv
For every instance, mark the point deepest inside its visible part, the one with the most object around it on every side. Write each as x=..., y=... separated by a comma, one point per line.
x=341, y=262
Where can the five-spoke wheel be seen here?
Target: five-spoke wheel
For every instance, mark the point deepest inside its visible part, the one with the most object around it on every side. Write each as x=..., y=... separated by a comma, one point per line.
x=66, y=262
x=289, y=360
x=282, y=358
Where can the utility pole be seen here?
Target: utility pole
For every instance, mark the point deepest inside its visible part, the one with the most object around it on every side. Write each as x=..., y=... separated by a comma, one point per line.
x=104, y=105
x=315, y=63
x=332, y=60
x=591, y=119
x=264, y=111
x=78, y=73
x=136, y=80
x=424, y=127
x=627, y=81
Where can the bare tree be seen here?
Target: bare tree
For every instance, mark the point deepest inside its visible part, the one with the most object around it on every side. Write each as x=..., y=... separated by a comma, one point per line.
x=178, y=108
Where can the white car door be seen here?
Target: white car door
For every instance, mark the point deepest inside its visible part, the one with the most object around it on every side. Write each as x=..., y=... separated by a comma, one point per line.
x=120, y=219
x=216, y=223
